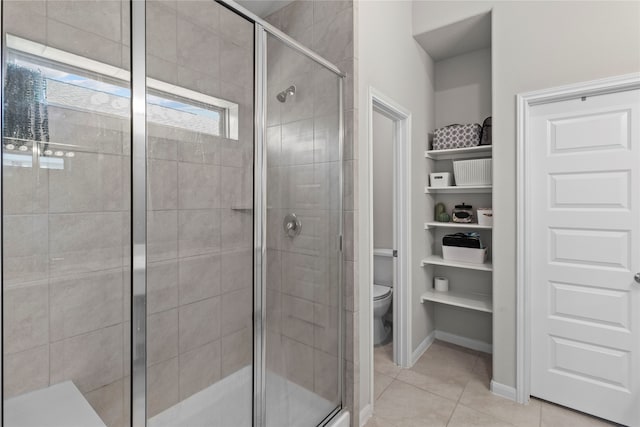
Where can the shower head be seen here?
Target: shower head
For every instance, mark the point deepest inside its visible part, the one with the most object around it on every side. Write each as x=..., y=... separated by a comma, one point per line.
x=290, y=91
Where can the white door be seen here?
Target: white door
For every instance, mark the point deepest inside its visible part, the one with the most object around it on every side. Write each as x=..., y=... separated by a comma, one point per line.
x=585, y=223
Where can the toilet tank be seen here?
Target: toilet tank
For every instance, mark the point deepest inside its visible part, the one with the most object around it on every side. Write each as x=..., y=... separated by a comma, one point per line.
x=383, y=267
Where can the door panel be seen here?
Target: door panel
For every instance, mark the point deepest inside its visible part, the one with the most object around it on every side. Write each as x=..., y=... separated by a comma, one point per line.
x=586, y=222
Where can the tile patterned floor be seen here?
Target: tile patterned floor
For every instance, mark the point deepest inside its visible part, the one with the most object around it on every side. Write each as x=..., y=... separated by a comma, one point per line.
x=449, y=386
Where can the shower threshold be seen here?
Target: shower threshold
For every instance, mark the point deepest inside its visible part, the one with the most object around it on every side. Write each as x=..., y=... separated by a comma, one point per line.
x=228, y=402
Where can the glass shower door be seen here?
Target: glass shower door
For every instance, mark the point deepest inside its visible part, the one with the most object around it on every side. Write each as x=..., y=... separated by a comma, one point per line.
x=303, y=227
x=199, y=59
x=66, y=213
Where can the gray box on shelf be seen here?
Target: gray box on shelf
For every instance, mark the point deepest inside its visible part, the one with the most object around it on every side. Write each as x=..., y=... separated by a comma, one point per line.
x=457, y=136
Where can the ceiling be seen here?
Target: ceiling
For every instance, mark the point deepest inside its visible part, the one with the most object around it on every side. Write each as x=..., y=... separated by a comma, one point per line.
x=263, y=8
x=458, y=38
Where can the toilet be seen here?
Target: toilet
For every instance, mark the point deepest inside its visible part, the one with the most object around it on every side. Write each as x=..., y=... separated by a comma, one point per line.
x=382, y=292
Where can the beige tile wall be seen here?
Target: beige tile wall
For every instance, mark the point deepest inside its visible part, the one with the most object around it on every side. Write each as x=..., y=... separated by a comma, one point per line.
x=67, y=285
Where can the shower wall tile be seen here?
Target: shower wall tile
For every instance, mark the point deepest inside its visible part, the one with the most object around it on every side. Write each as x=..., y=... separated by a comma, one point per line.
x=27, y=19
x=236, y=270
x=297, y=143
x=160, y=69
x=100, y=18
x=83, y=43
x=162, y=185
x=199, y=278
x=200, y=148
x=161, y=147
x=95, y=133
x=91, y=361
x=199, y=368
x=237, y=310
x=274, y=312
x=323, y=384
x=240, y=93
x=236, y=351
x=25, y=190
x=109, y=403
x=207, y=83
x=26, y=371
x=199, y=47
x=198, y=232
x=299, y=363
x=296, y=19
x=85, y=303
x=162, y=286
x=333, y=37
x=300, y=276
x=77, y=245
x=162, y=235
x=162, y=386
x=236, y=229
x=26, y=248
x=236, y=154
x=199, y=186
x=235, y=28
x=274, y=270
x=199, y=323
x=26, y=316
x=297, y=319
x=325, y=9
x=236, y=62
x=162, y=32
x=88, y=183
x=162, y=336
x=205, y=14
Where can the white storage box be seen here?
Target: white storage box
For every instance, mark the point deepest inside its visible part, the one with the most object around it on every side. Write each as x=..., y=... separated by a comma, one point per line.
x=440, y=179
x=472, y=172
x=472, y=255
x=485, y=216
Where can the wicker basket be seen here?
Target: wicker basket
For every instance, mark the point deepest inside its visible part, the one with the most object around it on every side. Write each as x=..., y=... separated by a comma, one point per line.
x=472, y=172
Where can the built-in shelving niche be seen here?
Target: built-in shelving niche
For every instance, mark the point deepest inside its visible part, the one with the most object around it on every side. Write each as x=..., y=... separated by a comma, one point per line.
x=462, y=55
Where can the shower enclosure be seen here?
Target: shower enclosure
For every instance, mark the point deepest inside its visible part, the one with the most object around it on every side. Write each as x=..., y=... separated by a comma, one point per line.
x=171, y=218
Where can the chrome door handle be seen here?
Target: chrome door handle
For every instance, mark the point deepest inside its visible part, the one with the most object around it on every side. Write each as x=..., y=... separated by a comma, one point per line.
x=637, y=277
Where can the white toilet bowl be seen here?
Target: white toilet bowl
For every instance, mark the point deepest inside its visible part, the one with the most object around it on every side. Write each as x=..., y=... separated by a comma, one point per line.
x=381, y=303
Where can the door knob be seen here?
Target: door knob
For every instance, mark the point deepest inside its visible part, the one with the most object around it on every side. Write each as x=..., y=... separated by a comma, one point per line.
x=637, y=277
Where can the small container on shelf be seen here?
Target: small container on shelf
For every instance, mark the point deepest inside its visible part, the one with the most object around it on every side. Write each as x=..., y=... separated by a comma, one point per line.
x=440, y=179
x=464, y=247
x=462, y=213
x=485, y=216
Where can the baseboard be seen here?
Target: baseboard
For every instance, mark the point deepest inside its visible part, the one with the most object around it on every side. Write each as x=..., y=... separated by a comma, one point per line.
x=422, y=347
x=464, y=342
x=365, y=414
x=503, y=390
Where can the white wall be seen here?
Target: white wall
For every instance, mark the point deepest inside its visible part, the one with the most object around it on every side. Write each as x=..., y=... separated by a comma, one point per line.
x=391, y=61
x=463, y=88
x=535, y=45
x=382, y=175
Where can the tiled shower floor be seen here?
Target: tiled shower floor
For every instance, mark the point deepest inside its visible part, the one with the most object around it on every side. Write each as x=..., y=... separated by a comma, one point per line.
x=449, y=386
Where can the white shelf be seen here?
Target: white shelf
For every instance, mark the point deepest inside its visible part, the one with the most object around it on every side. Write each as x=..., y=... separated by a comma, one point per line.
x=438, y=260
x=460, y=153
x=459, y=189
x=435, y=224
x=471, y=301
